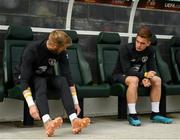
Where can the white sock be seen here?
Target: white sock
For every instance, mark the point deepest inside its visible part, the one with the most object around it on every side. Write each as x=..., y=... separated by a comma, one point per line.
x=155, y=107
x=46, y=118
x=132, y=108
x=73, y=116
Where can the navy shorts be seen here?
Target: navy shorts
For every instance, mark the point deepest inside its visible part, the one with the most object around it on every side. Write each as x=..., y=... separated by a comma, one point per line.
x=119, y=78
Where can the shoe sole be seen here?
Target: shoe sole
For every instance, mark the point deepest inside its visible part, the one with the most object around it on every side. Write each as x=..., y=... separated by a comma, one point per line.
x=85, y=122
x=161, y=122
x=79, y=124
x=134, y=124
x=56, y=123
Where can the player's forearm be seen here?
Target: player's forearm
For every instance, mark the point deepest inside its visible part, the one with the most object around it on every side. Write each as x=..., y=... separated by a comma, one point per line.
x=74, y=94
x=28, y=97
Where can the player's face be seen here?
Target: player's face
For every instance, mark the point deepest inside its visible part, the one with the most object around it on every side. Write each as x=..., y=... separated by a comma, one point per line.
x=142, y=43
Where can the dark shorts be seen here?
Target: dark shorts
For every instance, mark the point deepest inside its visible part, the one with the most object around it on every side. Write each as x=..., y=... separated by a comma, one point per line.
x=119, y=78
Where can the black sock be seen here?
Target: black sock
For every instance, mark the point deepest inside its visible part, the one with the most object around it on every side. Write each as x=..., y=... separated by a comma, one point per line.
x=154, y=113
x=134, y=116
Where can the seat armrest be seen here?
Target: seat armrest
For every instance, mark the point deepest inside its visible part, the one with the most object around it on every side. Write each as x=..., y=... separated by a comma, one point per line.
x=174, y=65
x=1, y=87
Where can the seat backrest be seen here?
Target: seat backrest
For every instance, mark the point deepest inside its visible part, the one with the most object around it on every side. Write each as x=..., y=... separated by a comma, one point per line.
x=108, y=44
x=17, y=37
x=163, y=67
x=175, y=54
x=80, y=69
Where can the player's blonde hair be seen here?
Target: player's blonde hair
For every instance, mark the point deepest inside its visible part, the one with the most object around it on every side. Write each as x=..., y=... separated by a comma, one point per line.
x=59, y=38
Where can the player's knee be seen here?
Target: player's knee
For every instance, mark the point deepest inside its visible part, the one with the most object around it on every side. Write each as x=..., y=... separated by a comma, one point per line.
x=132, y=81
x=156, y=81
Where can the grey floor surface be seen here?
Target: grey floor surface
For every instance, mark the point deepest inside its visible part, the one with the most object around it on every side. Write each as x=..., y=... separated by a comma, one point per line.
x=106, y=128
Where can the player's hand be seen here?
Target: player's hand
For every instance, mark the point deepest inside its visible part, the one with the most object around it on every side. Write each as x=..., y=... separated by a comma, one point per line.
x=146, y=82
x=151, y=74
x=77, y=108
x=34, y=112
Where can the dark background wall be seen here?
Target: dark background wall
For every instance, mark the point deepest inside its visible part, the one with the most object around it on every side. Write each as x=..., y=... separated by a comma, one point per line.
x=90, y=17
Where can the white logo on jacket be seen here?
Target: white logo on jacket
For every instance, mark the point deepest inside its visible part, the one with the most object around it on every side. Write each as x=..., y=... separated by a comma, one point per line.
x=51, y=61
x=144, y=59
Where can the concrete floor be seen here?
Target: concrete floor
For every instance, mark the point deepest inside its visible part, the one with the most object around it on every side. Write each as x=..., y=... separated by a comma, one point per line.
x=106, y=128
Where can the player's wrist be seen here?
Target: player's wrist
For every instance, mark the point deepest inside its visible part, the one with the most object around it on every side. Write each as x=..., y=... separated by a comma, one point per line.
x=28, y=97
x=74, y=95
